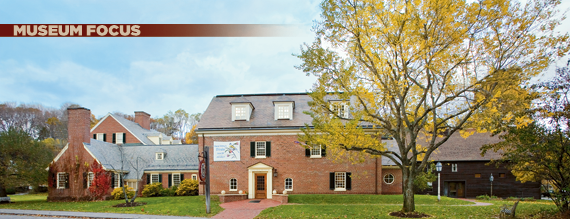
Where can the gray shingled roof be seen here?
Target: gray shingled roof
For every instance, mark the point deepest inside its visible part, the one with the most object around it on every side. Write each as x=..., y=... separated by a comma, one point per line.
x=135, y=129
x=218, y=115
x=177, y=157
x=457, y=148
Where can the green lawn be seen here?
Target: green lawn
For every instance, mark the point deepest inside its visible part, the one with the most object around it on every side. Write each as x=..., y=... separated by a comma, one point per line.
x=177, y=205
x=379, y=206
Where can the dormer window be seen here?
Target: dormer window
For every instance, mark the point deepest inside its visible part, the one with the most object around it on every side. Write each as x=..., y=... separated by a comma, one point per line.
x=339, y=108
x=284, y=110
x=159, y=156
x=241, y=111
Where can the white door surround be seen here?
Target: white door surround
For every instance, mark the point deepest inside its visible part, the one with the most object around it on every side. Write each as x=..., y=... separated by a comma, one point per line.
x=259, y=168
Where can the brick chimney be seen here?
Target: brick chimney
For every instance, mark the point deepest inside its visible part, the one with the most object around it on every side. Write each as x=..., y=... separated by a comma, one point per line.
x=78, y=127
x=143, y=119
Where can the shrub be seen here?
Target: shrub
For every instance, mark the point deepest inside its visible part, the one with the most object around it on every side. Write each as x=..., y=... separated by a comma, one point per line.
x=482, y=197
x=10, y=191
x=169, y=192
x=151, y=190
x=118, y=193
x=188, y=187
x=529, y=199
x=512, y=199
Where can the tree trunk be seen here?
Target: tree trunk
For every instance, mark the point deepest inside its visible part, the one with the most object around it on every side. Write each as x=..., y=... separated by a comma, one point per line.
x=3, y=191
x=408, y=190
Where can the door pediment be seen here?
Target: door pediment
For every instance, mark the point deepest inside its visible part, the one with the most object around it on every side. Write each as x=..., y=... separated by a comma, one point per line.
x=260, y=166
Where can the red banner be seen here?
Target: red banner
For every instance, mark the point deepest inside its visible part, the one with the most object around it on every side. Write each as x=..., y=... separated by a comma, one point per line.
x=148, y=30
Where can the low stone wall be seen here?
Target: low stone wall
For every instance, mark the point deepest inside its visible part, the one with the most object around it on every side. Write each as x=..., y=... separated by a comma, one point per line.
x=231, y=197
x=4, y=199
x=284, y=199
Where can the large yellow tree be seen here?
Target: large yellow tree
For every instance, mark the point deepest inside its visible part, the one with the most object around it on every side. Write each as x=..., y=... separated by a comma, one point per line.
x=418, y=71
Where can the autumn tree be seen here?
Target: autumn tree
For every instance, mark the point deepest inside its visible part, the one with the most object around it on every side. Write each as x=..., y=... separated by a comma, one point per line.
x=175, y=124
x=101, y=181
x=541, y=151
x=22, y=160
x=419, y=71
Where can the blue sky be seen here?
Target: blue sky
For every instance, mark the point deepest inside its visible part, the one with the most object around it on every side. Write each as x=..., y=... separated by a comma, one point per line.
x=152, y=74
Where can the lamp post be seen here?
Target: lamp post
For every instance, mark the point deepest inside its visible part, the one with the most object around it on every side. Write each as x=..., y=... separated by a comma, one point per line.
x=491, y=179
x=438, y=169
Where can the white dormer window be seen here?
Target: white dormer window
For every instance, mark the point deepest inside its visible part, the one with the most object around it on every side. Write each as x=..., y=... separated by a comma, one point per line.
x=119, y=137
x=160, y=156
x=241, y=111
x=340, y=108
x=283, y=110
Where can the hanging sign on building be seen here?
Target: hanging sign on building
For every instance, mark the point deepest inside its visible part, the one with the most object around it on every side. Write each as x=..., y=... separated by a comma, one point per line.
x=226, y=151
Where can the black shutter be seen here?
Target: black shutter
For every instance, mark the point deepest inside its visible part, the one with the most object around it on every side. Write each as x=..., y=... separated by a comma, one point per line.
x=67, y=180
x=169, y=180
x=252, y=148
x=331, y=180
x=54, y=180
x=124, y=138
x=160, y=178
x=147, y=178
x=105, y=137
x=323, y=151
x=114, y=138
x=94, y=136
x=307, y=152
x=112, y=180
x=181, y=177
x=84, y=180
x=268, y=149
x=348, y=181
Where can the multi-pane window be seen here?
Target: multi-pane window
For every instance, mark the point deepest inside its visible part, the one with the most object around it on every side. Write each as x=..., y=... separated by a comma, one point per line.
x=260, y=149
x=454, y=167
x=340, y=109
x=389, y=178
x=132, y=184
x=101, y=136
x=233, y=184
x=90, y=177
x=154, y=178
x=61, y=180
x=194, y=177
x=316, y=151
x=117, y=180
x=289, y=184
x=119, y=138
x=340, y=180
x=240, y=113
x=176, y=179
x=283, y=112
x=159, y=156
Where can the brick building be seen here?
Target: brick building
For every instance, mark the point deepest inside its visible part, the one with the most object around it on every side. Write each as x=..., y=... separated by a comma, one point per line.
x=142, y=161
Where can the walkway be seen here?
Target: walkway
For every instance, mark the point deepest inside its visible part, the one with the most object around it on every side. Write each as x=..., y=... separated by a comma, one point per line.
x=245, y=209
x=73, y=214
x=476, y=202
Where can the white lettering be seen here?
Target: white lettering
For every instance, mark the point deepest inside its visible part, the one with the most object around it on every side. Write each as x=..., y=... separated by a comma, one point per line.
x=30, y=33
x=127, y=32
x=102, y=33
x=76, y=30
x=136, y=30
x=19, y=30
x=113, y=33
x=52, y=30
x=66, y=30
x=90, y=29
x=43, y=30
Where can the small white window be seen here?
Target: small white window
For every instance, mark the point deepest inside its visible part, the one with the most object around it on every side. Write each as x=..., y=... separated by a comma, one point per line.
x=240, y=113
x=154, y=178
x=117, y=180
x=132, y=184
x=176, y=179
x=101, y=136
x=316, y=151
x=260, y=149
x=454, y=167
x=62, y=180
x=233, y=184
x=389, y=178
x=283, y=112
x=119, y=138
x=340, y=108
x=194, y=177
x=288, y=184
x=160, y=156
x=90, y=176
x=340, y=181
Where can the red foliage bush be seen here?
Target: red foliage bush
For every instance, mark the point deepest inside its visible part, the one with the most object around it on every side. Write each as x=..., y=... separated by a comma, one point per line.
x=101, y=182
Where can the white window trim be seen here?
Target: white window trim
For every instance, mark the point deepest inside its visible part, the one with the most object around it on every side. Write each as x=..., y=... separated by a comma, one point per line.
x=247, y=110
x=59, y=187
x=100, y=136
x=285, y=183
x=320, y=152
x=339, y=189
x=288, y=106
x=343, y=107
x=393, y=178
x=90, y=177
x=161, y=156
x=230, y=184
x=454, y=167
x=117, y=183
x=179, y=181
x=157, y=178
x=265, y=146
x=117, y=138
x=132, y=181
x=194, y=177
